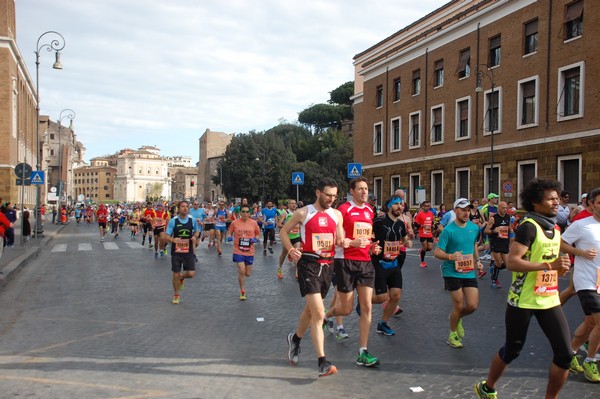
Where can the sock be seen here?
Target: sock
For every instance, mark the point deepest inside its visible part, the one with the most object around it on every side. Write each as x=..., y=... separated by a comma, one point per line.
x=321, y=360
x=296, y=339
x=487, y=389
x=422, y=256
x=340, y=327
x=362, y=349
x=590, y=359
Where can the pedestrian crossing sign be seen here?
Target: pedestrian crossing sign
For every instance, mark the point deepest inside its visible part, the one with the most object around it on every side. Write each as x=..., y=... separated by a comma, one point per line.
x=37, y=177
x=354, y=170
x=298, y=178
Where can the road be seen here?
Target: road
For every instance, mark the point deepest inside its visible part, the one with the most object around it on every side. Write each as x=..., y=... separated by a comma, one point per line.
x=94, y=320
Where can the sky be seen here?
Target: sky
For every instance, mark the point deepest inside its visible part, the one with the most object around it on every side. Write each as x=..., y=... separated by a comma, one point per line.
x=155, y=72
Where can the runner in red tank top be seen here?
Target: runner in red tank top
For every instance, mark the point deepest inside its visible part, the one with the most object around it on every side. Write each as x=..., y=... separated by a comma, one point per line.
x=321, y=230
x=424, y=219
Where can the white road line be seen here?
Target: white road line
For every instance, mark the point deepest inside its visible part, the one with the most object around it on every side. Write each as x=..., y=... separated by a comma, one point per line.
x=135, y=245
x=60, y=248
x=110, y=245
x=84, y=247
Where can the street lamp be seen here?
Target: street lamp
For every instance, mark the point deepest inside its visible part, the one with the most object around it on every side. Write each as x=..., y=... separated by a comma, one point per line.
x=70, y=114
x=492, y=116
x=56, y=44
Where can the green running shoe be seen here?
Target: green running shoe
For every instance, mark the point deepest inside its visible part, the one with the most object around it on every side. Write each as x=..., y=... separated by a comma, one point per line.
x=575, y=367
x=590, y=371
x=366, y=359
x=453, y=340
x=460, y=330
x=482, y=391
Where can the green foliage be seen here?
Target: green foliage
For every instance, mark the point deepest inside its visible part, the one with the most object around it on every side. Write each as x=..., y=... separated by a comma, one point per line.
x=342, y=94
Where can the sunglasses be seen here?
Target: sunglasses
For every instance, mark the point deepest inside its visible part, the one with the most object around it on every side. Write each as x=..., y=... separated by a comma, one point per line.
x=244, y=211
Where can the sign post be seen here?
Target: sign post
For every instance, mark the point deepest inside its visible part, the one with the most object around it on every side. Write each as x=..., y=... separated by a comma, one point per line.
x=354, y=170
x=297, y=180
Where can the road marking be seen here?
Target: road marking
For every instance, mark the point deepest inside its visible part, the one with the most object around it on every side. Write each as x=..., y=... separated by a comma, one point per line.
x=110, y=245
x=60, y=248
x=84, y=247
x=135, y=245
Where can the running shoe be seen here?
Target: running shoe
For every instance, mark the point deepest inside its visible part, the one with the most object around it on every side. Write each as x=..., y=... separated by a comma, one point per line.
x=481, y=273
x=165, y=251
x=484, y=392
x=219, y=253
x=383, y=328
x=101, y=239
x=279, y=272
x=496, y=284
x=341, y=334
x=271, y=250
x=181, y=284
x=423, y=265
x=242, y=295
x=209, y=245
x=460, y=330
x=176, y=299
x=366, y=359
x=156, y=255
x=328, y=325
x=326, y=368
x=150, y=245
x=195, y=258
x=575, y=367
x=264, y=252
x=453, y=340
x=590, y=371
x=398, y=311
x=162, y=254
x=293, y=349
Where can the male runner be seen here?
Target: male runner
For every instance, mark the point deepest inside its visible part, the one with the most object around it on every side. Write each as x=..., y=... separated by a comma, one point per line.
x=147, y=217
x=321, y=230
x=221, y=216
x=294, y=235
x=102, y=217
x=199, y=215
x=269, y=217
x=161, y=217
x=424, y=221
x=499, y=229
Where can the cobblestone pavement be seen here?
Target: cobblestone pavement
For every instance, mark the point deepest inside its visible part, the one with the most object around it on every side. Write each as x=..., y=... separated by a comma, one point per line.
x=87, y=319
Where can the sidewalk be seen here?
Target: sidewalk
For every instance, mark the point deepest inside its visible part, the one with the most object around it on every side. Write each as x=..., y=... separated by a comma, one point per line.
x=13, y=259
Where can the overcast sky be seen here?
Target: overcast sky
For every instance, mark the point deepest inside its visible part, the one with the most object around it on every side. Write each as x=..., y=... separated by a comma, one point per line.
x=155, y=72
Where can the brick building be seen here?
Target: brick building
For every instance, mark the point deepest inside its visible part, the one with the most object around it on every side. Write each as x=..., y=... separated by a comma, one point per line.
x=95, y=182
x=433, y=99
x=212, y=147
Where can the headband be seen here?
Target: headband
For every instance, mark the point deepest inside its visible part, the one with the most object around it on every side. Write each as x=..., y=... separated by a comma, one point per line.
x=395, y=200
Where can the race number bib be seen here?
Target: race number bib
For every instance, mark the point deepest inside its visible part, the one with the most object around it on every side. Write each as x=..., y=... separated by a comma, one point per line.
x=244, y=244
x=182, y=246
x=158, y=223
x=391, y=250
x=546, y=283
x=464, y=264
x=322, y=242
x=427, y=228
x=362, y=230
x=503, y=232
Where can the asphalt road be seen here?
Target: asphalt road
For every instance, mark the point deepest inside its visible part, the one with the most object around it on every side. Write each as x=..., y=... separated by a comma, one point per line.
x=94, y=320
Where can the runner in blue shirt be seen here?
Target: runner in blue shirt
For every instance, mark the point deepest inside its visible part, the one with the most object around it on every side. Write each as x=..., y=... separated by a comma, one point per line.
x=269, y=216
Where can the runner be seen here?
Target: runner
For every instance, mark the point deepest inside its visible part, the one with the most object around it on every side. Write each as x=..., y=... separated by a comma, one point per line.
x=134, y=220
x=244, y=233
x=199, y=215
x=221, y=215
x=424, y=221
x=269, y=217
x=355, y=271
x=102, y=217
x=321, y=230
x=535, y=262
x=294, y=235
x=499, y=231
x=208, y=227
x=182, y=234
x=78, y=212
x=114, y=223
x=147, y=216
x=161, y=218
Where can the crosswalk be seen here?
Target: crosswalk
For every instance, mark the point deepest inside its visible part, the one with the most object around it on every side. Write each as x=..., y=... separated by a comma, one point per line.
x=87, y=246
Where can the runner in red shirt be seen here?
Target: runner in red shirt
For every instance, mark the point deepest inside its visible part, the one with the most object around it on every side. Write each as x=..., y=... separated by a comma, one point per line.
x=161, y=218
x=147, y=217
x=424, y=220
x=102, y=218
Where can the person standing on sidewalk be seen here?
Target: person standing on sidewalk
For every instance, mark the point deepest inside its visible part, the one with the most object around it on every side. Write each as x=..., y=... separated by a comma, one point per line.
x=457, y=247
x=181, y=232
x=321, y=231
x=244, y=233
x=535, y=260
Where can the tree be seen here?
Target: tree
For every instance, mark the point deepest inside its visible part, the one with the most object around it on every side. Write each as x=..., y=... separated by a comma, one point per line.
x=342, y=94
x=338, y=109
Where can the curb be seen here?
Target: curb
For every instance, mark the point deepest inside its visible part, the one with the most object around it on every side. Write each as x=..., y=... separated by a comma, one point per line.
x=9, y=271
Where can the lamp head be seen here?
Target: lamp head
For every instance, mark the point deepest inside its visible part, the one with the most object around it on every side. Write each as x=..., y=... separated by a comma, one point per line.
x=57, y=64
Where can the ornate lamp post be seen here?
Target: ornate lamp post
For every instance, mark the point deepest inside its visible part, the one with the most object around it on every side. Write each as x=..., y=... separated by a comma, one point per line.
x=492, y=116
x=70, y=114
x=56, y=44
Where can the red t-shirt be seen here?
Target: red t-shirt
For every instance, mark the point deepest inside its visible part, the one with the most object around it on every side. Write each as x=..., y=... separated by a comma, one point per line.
x=102, y=214
x=358, y=223
x=425, y=220
x=582, y=215
x=318, y=232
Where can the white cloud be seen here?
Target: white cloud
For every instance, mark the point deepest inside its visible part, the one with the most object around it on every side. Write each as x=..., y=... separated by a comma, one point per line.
x=141, y=72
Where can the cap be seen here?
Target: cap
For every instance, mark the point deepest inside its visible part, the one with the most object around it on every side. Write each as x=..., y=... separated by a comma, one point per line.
x=492, y=196
x=462, y=203
x=372, y=197
x=584, y=195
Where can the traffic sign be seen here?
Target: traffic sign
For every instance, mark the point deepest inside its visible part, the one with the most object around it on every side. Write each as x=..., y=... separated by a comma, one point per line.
x=21, y=182
x=37, y=177
x=507, y=187
x=354, y=170
x=23, y=170
x=298, y=178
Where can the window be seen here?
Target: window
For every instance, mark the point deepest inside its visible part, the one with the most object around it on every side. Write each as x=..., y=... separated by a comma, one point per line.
x=437, y=124
x=397, y=88
x=415, y=184
x=437, y=188
x=570, y=83
x=569, y=173
x=531, y=37
x=106, y=195
x=492, y=106
x=378, y=189
x=573, y=21
x=494, y=51
x=492, y=185
x=416, y=82
x=394, y=184
x=379, y=96
x=462, y=183
x=395, y=135
x=463, y=70
x=52, y=152
x=462, y=117
x=438, y=73
x=414, y=138
x=377, y=139
x=527, y=171
x=527, y=108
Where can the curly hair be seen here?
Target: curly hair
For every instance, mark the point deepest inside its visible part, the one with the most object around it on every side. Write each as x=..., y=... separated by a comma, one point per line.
x=534, y=191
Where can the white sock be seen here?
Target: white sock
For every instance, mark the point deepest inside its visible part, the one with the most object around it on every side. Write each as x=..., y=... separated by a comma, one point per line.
x=340, y=327
x=362, y=349
x=590, y=359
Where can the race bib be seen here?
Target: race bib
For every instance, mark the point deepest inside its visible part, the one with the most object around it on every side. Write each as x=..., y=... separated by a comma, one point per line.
x=322, y=242
x=244, y=243
x=503, y=232
x=362, y=230
x=182, y=246
x=158, y=223
x=464, y=264
x=391, y=250
x=546, y=283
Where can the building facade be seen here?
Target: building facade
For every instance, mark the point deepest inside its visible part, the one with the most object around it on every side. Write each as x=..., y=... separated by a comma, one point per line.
x=211, y=151
x=94, y=183
x=184, y=183
x=481, y=96
x=17, y=112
